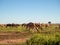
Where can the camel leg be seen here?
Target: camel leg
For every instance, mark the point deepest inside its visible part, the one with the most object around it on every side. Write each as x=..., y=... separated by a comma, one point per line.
x=37, y=30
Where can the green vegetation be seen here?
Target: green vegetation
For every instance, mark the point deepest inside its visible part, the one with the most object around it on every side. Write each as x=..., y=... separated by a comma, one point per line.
x=10, y=29
x=44, y=39
x=47, y=36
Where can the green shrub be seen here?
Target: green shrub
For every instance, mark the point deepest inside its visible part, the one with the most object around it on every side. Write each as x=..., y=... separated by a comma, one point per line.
x=42, y=40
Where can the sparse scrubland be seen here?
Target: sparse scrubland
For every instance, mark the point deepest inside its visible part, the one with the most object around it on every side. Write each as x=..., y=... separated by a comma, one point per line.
x=22, y=36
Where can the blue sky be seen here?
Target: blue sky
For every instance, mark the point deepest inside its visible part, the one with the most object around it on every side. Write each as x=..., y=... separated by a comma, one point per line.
x=24, y=11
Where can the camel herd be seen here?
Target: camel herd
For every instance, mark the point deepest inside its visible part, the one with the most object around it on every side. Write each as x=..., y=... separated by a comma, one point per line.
x=28, y=26
x=35, y=26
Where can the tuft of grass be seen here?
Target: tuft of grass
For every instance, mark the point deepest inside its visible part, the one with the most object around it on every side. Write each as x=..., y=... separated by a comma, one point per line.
x=42, y=39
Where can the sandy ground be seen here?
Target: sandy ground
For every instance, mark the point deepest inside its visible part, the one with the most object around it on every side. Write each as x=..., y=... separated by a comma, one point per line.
x=14, y=38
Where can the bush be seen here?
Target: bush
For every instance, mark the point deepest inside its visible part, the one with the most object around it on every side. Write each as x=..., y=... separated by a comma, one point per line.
x=42, y=40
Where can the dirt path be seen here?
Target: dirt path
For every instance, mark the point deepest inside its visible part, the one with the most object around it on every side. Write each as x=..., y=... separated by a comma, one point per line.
x=14, y=41
x=14, y=38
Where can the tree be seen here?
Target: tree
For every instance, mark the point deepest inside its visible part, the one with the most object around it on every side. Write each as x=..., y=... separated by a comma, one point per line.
x=49, y=22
